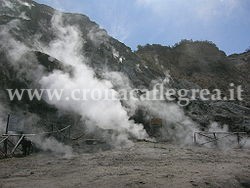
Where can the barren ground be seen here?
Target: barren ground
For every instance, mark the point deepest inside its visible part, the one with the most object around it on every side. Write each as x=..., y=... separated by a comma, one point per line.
x=144, y=165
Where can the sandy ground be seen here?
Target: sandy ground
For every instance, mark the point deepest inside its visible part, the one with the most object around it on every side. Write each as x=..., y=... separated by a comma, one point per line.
x=144, y=165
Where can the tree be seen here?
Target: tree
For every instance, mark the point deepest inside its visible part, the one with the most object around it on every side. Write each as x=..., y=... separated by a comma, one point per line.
x=139, y=47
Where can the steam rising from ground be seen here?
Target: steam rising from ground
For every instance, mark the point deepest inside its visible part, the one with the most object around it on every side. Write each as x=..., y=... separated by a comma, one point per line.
x=177, y=127
x=52, y=145
x=105, y=114
x=27, y=67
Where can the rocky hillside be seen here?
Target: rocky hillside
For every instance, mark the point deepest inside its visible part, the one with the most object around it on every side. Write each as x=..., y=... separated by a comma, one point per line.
x=26, y=22
x=191, y=64
x=200, y=64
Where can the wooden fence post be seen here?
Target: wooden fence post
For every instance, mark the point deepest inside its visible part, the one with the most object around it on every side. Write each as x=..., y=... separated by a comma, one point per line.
x=6, y=132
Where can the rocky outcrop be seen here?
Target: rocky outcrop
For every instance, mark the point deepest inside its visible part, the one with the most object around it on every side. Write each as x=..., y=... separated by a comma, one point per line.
x=191, y=64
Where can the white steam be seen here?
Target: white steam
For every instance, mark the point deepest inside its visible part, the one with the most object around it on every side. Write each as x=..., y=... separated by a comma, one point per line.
x=105, y=114
x=24, y=16
x=7, y=4
x=98, y=36
x=216, y=127
x=14, y=49
x=52, y=145
x=2, y=122
x=4, y=111
x=27, y=67
x=177, y=127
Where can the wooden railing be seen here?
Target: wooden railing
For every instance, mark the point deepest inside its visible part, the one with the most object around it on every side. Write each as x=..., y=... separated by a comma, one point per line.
x=215, y=137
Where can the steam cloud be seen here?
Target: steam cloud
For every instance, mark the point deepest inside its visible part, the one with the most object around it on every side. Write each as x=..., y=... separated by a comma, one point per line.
x=27, y=68
x=2, y=114
x=105, y=114
x=52, y=145
x=177, y=127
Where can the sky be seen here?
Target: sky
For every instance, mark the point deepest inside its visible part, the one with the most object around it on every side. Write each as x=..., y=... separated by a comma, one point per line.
x=166, y=22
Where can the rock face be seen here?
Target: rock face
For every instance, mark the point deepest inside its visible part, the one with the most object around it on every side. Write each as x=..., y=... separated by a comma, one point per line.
x=202, y=65
x=190, y=64
x=103, y=50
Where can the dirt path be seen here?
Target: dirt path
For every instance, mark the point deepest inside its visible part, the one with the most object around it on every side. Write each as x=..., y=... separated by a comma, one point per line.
x=144, y=165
